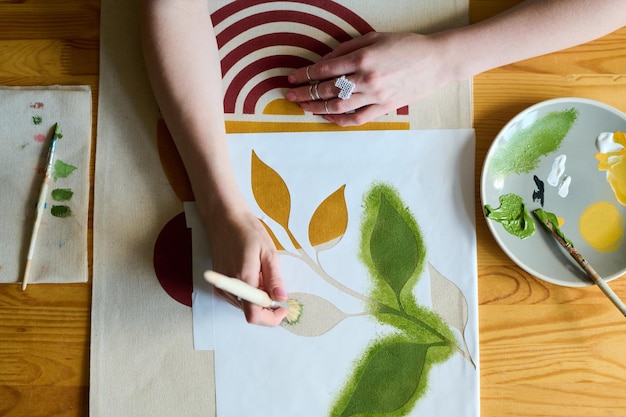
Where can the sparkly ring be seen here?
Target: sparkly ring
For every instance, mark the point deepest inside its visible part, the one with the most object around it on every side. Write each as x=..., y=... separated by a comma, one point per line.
x=308, y=76
x=346, y=87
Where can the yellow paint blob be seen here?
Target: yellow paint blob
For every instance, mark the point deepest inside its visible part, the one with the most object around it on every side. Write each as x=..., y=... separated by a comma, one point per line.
x=614, y=163
x=602, y=226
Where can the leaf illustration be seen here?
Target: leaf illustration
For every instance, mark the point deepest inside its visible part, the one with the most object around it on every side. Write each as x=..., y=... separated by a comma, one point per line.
x=388, y=380
x=277, y=244
x=393, y=247
x=270, y=192
x=451, y=305
x=317, y=316
x=62, y=170
x=272, y=195
x=329, y=221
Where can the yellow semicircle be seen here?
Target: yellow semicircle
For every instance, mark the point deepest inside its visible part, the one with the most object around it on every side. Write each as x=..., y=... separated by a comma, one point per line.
x=282, y=106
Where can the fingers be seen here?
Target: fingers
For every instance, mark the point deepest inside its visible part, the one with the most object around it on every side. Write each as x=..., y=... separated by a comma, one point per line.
x=318, y=91
x=334, y=64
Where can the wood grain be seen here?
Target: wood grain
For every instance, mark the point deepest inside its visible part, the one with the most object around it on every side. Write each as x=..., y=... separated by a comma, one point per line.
x=545, y=350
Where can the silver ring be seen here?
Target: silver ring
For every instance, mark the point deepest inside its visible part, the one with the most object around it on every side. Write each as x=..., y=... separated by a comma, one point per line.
x=315, y=92
x=326, y=106
x=311, y=92
x=346, y=87
x=308, y=77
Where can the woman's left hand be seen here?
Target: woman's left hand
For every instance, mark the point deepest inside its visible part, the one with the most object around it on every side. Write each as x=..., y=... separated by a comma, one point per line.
x=389, y=70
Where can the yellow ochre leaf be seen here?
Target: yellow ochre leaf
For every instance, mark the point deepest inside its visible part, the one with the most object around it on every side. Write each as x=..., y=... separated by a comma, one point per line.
x=270, y=191
x=273, y=236
x=329, y=221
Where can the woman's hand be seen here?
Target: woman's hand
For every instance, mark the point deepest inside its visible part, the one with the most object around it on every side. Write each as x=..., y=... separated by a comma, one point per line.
x=241, y=248
x=389, y=70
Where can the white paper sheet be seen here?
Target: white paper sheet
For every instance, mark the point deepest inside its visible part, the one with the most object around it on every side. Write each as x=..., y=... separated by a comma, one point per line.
x=433, y=173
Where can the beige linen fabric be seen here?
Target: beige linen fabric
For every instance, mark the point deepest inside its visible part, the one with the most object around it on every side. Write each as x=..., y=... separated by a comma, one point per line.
x=27, y=119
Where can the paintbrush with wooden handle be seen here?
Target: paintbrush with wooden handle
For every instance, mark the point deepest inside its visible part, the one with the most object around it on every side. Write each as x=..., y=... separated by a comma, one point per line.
x=549, y=223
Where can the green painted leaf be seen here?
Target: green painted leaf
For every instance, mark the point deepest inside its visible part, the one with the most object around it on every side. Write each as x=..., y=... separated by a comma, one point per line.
x=62, y=194
x=61, y=211
x=388, y=380
x=393, y=247
x=62, y=170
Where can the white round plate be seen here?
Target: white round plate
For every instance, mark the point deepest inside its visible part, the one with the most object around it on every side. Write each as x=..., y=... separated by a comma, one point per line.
x=540, y=254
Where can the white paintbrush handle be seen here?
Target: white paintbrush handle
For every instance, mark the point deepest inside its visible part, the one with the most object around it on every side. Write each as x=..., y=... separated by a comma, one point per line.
x=239, y=288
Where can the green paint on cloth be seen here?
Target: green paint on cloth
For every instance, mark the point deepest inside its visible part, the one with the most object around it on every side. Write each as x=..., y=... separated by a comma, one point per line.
x=522, y=153
x=513, y=216
x=62, y=194
x=61, y=211
x=37, y=120
x=62, y=170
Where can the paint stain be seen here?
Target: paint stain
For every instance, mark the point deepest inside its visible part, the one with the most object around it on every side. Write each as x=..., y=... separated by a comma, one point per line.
x=522, y=153
x=37, y=105
x=61, y=211
x=539, y=193
x=513, y=216
x=614, y=163
x=37, y=120
x=40, y=138
x=602, y=226
x=23, y=146
x=62, y=170
x=62, y=194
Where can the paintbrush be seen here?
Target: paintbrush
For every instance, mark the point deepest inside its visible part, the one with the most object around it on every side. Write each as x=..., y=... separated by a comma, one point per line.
x=253, y=295
x=41, y=203
x=551, y=224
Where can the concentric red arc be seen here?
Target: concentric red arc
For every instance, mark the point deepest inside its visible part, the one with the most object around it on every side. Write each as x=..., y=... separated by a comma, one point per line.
x=256, y=67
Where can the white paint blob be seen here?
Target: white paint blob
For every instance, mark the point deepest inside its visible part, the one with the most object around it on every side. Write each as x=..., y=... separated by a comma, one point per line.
x=558, y=169
x=605, y=143
x=564, y=186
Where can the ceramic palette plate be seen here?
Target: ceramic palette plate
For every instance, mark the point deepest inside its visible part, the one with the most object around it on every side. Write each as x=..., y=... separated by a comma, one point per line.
x=549, y=156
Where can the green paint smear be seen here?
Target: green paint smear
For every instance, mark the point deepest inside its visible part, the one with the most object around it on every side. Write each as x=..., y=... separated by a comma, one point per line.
x=61, y=211
x=37, y=120
x=62, y=170
x=62, y=194
x=521, y=154
x=513, y=216
x=546, y=217
x=392, y=374
x=57, y=131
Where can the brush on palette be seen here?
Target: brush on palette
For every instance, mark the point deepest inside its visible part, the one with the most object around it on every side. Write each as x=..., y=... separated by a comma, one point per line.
x=551, y=224
x=253, y=295
x=41, y=204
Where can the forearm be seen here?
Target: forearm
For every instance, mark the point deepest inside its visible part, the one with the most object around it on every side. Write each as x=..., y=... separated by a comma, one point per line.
x=183, y=66
x=533, y=28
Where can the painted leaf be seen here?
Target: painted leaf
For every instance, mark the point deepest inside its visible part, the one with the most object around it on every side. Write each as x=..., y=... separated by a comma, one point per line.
x=329, y=221
x=62, y=194
x=62, y=170
x=388, y=380
x=393, y=247
x=270, y=192
x=317, y=316
x=277, y=244
x=449, y=302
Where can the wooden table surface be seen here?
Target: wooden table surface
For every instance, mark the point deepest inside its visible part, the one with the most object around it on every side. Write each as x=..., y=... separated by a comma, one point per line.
x=544, y=350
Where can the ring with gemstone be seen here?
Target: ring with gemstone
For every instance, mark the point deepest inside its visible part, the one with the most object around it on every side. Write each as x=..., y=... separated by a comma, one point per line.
x=345, y=86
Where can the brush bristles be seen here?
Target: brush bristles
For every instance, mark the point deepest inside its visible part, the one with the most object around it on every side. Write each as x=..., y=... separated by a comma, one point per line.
x=295, y=312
